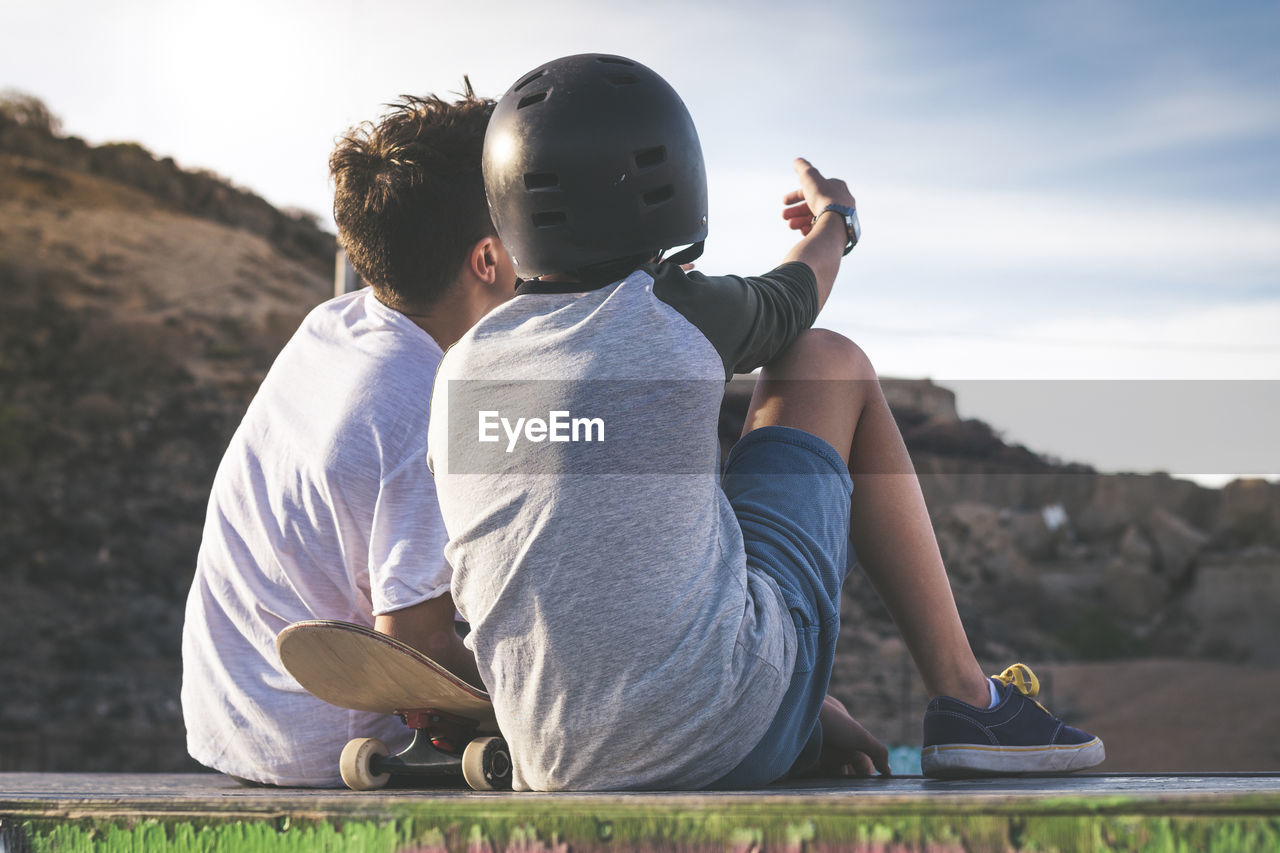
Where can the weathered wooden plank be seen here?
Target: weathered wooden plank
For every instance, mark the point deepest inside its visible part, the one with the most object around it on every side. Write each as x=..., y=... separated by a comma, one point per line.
x=1082, y=812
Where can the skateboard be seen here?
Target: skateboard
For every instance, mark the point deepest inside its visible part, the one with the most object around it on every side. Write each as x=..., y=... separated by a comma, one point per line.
x=454, y=729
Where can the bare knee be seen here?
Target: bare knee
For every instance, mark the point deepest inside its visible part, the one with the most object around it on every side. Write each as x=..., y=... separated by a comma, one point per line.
x=822, y=354
x=821, y=384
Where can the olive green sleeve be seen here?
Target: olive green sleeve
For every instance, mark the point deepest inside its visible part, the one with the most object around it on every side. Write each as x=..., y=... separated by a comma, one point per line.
x=748, y=320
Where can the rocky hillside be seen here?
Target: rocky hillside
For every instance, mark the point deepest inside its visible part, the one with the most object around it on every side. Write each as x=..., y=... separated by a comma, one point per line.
x=1052, y=562
x=142, y=305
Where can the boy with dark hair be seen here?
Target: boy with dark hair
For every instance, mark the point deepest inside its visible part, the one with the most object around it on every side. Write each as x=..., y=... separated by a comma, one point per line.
x=642, y=620
x=323, y=506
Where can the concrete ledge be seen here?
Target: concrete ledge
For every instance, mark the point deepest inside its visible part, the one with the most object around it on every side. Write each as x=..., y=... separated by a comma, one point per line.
x=1082, y=812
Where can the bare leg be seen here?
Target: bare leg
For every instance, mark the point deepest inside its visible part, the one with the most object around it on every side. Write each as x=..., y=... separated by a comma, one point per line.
x=824, y=384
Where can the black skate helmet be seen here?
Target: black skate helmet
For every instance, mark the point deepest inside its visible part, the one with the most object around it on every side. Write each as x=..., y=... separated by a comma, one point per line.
x=593, y=159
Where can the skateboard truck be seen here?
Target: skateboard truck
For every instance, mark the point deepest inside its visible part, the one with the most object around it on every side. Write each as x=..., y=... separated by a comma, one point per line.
x=433, y=754
x=445, y=729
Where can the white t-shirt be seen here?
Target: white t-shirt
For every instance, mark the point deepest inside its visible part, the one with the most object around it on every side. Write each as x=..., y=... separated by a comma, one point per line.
x=323, y=508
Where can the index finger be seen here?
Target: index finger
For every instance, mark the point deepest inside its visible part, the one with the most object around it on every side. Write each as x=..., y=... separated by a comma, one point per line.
x=806, y=169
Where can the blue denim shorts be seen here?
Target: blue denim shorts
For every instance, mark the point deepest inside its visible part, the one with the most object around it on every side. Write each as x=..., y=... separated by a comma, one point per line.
x=791, y=492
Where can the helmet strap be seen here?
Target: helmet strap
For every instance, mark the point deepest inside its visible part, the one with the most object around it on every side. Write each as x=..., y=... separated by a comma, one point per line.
x=687, y=254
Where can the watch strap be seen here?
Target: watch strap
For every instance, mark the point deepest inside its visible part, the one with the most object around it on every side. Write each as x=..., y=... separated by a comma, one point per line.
x=850, y=217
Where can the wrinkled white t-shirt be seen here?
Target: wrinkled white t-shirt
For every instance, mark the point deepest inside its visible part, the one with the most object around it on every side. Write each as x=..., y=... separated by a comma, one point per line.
x=323, y=508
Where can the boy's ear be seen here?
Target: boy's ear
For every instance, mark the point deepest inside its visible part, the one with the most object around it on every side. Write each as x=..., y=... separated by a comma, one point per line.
x=482, y=260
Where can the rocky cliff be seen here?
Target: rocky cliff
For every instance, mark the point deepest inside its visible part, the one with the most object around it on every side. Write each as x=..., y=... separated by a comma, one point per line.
x=142, y=306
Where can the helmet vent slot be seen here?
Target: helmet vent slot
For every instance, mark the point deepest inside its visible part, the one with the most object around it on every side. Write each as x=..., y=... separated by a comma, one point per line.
x=530, y=100
x=549, y=218
x=526, y=81
x=614, y=60
x=651, y=157
x=534, y=181
x=623, y=79
x=658, y=196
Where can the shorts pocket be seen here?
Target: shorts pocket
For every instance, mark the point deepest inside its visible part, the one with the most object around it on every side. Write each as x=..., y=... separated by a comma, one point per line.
x=807, y=632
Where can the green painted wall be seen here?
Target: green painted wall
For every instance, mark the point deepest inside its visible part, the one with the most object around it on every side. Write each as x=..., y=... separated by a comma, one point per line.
x=737, y=830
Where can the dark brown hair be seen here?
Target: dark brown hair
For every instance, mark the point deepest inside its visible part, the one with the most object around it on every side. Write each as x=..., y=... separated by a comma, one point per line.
x=409, y=196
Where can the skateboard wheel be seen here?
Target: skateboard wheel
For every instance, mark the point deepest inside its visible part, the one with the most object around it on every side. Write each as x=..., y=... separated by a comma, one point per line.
x=356, y=764
x=486, y=764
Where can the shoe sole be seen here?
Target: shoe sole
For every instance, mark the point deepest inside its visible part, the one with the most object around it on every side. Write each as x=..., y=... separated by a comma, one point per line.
x=975, y=760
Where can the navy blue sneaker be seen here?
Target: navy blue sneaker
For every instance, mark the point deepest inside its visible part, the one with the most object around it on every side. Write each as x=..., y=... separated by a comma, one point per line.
x=1018, y=735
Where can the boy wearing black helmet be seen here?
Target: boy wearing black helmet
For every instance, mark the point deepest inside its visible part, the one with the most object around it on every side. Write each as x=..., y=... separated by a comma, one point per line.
x=641, y=619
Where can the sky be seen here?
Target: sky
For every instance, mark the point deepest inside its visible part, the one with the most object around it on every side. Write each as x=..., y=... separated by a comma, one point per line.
x=1070, y=211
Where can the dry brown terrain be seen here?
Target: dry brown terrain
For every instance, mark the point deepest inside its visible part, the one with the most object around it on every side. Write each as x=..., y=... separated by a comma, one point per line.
x=132, y=338
x=1154, y=715
x=221, y=298
x=1174, y=715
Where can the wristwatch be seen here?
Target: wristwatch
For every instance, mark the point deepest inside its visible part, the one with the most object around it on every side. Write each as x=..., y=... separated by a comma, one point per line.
x=852, y=228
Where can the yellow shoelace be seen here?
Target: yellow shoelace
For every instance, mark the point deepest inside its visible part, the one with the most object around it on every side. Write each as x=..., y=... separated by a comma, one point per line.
x=1023, y=680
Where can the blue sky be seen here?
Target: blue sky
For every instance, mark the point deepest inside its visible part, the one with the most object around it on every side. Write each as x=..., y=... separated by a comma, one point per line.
x=1084, y=190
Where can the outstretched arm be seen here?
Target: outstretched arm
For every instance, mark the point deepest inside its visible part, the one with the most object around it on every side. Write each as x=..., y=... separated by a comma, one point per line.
x=750, y=320
x=822, y=246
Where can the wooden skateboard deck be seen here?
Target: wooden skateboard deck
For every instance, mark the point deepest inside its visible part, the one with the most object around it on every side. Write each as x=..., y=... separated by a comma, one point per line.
x=355, y=667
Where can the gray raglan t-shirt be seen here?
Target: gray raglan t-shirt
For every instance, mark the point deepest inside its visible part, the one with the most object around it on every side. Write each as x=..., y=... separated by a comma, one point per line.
x=614, y=618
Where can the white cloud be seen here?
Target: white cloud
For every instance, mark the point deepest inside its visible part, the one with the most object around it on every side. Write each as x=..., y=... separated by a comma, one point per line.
x=943, y=229
x=1230, y=341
